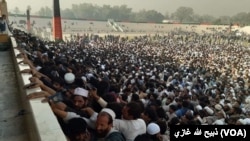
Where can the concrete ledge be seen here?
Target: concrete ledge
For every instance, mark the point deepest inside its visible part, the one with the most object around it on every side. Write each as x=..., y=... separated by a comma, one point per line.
x=42, y=123
x=4, y=42
x=4, y=38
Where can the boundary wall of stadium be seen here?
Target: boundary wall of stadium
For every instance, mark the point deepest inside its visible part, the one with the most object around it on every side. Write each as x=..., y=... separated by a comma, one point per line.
x=42, y=123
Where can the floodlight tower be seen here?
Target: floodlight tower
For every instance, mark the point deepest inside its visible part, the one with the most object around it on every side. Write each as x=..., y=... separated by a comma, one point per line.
x=28, y=19
x=57, y=26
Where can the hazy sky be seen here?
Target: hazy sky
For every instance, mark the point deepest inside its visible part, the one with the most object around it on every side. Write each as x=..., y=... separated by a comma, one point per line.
x=201, y=7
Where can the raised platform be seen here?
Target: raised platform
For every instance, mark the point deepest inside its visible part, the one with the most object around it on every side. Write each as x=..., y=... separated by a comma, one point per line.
x=42, y=123
x=22, y=119
x=12, y=126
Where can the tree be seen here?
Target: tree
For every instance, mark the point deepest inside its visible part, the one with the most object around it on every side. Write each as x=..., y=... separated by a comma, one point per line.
x=149, y=16
x=124, y=12
x=105, y=11
x=45, y=11
x=167, y=15
x=217, y=21
x=184, y=14
x=242, y=18
x=208, y=18
x=140, y=16
x=84, y=11
x=67, y=13
x=226, y=20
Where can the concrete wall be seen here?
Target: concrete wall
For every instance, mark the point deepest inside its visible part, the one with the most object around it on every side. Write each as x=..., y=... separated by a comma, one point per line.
x=42, y=123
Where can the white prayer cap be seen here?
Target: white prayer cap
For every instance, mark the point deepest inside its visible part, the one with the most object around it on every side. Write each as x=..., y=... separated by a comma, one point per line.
x=209, y=110
x=241, y=121
x=223, y=94
x=110, y=112
x=229, y=105
x=153, y=129
x=84, y=78
x=81, y=92
x=218, y=122
x=198, y=107
x=218, y=107
x=247, y=101
x=69, y=78
x=247, y=120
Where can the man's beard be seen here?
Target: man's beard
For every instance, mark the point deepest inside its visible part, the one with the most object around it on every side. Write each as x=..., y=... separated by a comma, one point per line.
x=102, y=133
x=79, y=108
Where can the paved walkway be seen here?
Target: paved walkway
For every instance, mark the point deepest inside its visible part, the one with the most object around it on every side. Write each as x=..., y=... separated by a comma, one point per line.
x=12, y=117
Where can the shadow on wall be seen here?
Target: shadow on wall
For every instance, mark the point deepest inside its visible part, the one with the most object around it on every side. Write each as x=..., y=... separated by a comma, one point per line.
x=4, y=35
x=4, y=42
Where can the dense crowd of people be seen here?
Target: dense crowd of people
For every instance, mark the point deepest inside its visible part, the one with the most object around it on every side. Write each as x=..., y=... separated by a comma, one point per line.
x=120, y=88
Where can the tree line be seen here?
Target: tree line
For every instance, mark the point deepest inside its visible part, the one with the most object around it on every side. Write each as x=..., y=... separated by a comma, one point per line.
x=123, y=13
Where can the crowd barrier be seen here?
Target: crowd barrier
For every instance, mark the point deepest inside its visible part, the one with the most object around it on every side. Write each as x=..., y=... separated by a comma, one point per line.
x=41, y=122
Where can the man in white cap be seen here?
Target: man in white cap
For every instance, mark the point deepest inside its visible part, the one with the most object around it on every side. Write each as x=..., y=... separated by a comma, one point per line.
x=219, y=118
x=79, y=101
x=69, y=78
x=104, y=127
x=154, y=132
x=131, y=123
x=80, y=98
x=101, y=123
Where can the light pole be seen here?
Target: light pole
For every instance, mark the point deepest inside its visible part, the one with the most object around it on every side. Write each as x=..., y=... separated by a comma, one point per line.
x=57, y=26
x=28, y=19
